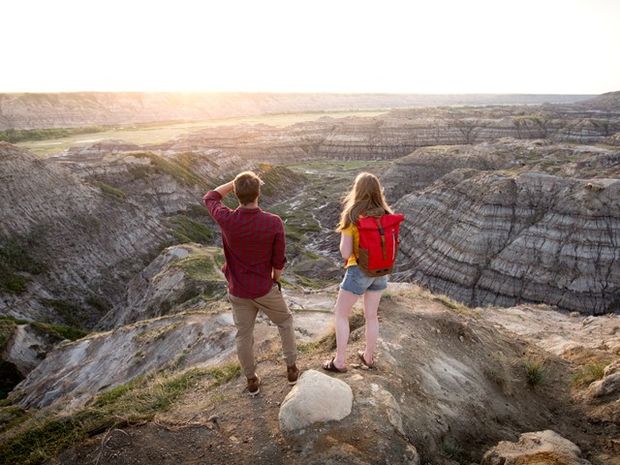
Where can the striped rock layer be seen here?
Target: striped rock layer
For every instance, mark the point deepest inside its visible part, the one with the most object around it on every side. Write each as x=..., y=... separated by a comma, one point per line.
x=490, y=239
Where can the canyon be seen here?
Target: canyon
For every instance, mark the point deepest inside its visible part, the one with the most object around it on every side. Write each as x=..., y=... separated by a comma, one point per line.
x=512, y=228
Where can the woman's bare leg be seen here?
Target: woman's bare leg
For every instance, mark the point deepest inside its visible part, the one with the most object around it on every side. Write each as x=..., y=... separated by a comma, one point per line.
x=371, y=305
x=344, y=304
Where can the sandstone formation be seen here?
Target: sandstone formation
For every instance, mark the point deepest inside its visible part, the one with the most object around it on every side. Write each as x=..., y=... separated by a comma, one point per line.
x=535, y=448
x=316, y=398
x=491, y=239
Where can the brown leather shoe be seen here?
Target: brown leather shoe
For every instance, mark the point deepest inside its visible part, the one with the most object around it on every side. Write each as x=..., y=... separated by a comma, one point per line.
x=292, y=373
x=253, y=385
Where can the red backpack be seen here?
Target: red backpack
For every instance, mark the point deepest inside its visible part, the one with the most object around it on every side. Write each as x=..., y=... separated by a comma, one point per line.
x=378, y=243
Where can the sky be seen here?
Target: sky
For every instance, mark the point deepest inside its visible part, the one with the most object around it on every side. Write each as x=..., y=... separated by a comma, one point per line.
x=434, y=46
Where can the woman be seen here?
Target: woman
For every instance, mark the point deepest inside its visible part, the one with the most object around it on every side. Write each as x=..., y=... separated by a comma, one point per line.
x=364, y=200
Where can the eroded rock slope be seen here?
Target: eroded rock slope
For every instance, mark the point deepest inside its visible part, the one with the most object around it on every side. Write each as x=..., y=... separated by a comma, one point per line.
x=493, y=239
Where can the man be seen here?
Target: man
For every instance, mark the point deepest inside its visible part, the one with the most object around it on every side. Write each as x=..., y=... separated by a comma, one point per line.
x=254, y=245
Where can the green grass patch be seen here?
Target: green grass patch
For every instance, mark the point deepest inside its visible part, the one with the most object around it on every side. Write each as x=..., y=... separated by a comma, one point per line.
x=15, y=259
x=68, y=311
x=186, y=229
x=201, y=267
x=136, y=401
x=7, y=328
x=11, y=416
x=61, y=331
x=588, y=374
x=174, y=168
x=8, y=324
x=312, y=283
x=110, y=190
x=534, y=373
x=23, y=135
x=455, y=306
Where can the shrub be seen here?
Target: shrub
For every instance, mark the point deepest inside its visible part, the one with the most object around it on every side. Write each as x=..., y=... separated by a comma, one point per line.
x=588, y=374
x=534, y=372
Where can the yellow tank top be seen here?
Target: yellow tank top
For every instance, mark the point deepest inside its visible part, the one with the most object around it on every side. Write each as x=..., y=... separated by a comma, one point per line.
x=352, y=230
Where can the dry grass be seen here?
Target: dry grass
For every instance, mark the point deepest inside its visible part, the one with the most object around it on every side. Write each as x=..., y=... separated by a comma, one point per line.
x=40, y=438
x=587, y=374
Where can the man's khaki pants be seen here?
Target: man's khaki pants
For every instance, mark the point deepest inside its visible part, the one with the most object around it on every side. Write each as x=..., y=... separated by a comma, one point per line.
x=244, y=314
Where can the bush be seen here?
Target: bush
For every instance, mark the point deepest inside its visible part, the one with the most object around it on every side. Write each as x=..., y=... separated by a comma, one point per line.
x=534, y=372
x=588, y=374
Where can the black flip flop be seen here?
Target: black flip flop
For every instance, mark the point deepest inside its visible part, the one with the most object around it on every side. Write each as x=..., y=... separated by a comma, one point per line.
x=360, y=354
x=330, y=366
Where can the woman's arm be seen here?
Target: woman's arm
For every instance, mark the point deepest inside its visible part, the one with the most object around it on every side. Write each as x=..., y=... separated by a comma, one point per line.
x=346, y=245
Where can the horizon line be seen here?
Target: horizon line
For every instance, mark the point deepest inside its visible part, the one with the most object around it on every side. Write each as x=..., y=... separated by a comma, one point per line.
x=234, y=92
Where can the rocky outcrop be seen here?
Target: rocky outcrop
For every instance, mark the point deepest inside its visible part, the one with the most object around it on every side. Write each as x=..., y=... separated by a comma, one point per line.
x=75, y=372
x=316, y=398
x=28, y=346
x=608, y=385
x=535, y=448
x=85, y=243
x=178, y=274
x=491, y=239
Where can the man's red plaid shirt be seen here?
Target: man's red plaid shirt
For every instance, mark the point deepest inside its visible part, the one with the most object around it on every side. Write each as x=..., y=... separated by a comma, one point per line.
x=254, y=244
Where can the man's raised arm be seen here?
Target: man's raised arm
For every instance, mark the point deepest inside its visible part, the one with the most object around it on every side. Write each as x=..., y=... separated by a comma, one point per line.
x=213, y=200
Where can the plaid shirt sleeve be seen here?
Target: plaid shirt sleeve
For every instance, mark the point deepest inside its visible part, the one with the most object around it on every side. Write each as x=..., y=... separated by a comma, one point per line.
x=213, y=202
x=278, y=257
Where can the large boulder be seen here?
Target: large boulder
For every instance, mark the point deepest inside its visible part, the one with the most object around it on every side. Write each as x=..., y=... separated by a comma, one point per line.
x=535, y=449
x=316, y=398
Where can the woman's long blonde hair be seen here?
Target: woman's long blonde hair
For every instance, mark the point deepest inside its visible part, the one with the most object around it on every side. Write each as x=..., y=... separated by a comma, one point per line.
x=365, y=198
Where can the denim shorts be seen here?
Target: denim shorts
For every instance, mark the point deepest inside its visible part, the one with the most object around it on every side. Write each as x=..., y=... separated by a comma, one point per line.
x=356, y=281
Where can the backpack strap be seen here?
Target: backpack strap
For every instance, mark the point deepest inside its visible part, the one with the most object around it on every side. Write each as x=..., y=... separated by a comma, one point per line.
x=382, y=234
